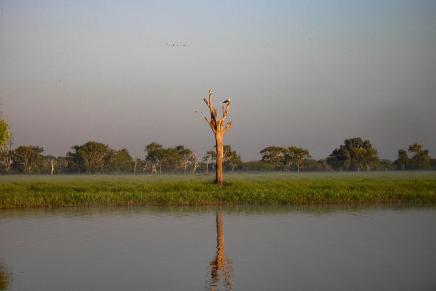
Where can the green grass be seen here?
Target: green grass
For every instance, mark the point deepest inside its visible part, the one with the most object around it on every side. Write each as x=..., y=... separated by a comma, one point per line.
x=241, y=189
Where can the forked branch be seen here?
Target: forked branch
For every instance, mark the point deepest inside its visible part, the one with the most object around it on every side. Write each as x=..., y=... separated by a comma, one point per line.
x=215, y=123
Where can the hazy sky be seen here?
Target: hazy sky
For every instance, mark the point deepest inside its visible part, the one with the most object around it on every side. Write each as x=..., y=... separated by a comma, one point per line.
x=306, y=73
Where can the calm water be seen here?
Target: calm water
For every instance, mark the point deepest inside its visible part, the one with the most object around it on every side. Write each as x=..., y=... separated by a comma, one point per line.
x=228, y=249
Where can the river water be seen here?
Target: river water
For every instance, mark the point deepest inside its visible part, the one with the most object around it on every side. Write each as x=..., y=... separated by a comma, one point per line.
x=307, y=248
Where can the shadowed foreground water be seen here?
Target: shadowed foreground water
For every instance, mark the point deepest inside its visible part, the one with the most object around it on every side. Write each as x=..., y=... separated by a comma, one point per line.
x=316, y=248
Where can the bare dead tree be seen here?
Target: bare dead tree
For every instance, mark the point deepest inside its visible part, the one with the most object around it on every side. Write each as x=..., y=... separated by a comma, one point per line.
x=219, y=129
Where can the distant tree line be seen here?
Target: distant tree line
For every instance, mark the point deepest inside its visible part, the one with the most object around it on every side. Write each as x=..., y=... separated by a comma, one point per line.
x=93, y=157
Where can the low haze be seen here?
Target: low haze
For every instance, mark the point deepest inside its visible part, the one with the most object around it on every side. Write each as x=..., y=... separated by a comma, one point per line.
x=306, y=73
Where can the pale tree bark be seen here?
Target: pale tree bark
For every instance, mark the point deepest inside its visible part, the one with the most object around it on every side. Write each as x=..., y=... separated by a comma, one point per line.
x=27, y=165
x=153, y=168
x=195, y=167
x=52, y=164
x=219, y=129
x=208, y=160
x=185, y=166
x=135, y=163
x=207, y=167
x=195, y=163
x=298, y=163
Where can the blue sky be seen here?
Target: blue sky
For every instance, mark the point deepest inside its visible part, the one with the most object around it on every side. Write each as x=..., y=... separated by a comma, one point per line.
x=306, y=73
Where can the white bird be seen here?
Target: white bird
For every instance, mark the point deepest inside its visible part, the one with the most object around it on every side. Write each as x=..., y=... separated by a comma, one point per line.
x=227, y=100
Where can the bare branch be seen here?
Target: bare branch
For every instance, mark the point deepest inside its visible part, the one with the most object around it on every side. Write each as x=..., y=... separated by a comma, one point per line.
x=226, y=110
x=214, y=114
x=210, y=100
x=210, y=96
x=211, y=124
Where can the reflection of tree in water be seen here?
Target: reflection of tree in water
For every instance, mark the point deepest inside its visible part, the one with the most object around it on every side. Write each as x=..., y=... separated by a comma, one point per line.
x=5, y=277
x=220, y=267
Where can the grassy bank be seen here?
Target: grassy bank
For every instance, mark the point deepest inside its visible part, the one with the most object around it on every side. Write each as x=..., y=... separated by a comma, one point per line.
x=250, y=189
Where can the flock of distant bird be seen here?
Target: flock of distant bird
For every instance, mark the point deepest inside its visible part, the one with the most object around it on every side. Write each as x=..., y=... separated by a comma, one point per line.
x=175, y=44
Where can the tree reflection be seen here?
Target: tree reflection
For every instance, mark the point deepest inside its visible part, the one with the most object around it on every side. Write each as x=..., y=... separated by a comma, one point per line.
x=5, y=277
x=220, y=267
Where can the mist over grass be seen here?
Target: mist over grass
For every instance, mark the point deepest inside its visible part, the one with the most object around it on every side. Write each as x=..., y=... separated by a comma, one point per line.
x=240, y=189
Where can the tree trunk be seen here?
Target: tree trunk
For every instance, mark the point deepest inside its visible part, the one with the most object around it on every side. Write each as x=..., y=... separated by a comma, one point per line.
x=207, y=167
x=52, y=163
x=219, y=178
x=134, y=167
x=298, y=169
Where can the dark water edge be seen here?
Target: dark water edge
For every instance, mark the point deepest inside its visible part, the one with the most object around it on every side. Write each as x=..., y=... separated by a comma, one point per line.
x=202, y=209
x=330, y=247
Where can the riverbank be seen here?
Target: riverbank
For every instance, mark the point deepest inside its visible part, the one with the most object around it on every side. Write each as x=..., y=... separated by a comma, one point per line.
x=241, y=189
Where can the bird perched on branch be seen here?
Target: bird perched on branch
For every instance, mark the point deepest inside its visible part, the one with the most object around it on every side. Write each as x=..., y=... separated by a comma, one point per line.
x=227, y=101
